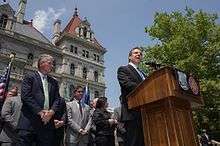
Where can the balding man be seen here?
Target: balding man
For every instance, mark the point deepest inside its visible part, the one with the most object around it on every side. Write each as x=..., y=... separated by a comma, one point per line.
x=40, y=97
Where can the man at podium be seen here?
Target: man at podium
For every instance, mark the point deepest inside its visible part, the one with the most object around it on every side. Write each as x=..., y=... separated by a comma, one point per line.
x=129, y=77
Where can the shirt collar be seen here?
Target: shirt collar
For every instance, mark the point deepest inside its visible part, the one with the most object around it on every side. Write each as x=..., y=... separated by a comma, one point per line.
x=132, y=64
x=42, y=76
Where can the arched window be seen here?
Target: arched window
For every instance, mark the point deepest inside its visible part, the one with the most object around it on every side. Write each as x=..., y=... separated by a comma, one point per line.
x=76, y=50
x=87, y=54
x=84, y=73
x=3, y=21
x=30, y=58
x=96, y=76
x=97, y=58
x=96, y=94
x=84, y=53
x=72, y=69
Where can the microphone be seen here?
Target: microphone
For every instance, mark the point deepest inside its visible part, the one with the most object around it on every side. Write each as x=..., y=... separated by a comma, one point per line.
x=154, y=65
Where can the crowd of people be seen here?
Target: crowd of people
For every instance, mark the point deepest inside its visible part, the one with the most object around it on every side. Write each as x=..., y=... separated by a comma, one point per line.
x=39, y=116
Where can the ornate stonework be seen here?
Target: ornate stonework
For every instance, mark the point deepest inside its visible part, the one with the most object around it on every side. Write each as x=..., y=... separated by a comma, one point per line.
x=79, y=58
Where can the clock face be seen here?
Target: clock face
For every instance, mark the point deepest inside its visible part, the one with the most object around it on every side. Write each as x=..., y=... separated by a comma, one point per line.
x=193, y=85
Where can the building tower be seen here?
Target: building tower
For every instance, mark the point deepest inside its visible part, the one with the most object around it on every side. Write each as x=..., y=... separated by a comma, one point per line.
x=83, y=56
x=21, y=11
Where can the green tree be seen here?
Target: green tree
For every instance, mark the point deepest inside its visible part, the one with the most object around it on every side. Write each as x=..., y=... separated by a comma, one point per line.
x=190, y=41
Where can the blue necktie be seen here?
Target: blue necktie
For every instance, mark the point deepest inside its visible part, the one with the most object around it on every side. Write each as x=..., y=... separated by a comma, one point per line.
x=140, y=73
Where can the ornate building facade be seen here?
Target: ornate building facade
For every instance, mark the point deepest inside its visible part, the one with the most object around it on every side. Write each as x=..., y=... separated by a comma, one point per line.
x=79, y=58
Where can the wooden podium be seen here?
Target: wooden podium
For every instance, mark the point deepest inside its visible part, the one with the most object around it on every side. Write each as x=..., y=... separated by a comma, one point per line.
x=166, y=109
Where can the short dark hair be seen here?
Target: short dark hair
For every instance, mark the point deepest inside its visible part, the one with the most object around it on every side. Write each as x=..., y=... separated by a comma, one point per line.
x=77, y=88
x=14, y=90
x=130, y=52
x=101, y=102
x=74, y=91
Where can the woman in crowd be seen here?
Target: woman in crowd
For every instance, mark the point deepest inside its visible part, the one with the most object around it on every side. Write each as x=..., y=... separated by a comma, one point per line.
x=105, y=125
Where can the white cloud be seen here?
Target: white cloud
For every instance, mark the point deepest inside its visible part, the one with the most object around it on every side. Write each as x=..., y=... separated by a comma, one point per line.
x=44, y=19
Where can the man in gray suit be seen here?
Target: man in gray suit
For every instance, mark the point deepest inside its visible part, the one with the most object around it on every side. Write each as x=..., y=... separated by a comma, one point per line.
x=10, y=114
x=78, y=117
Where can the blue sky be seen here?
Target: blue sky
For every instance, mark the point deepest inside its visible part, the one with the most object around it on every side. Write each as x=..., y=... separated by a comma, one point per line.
x=118, y=25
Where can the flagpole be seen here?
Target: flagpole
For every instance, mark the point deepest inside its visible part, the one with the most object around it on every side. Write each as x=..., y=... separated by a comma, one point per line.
x=12, y=57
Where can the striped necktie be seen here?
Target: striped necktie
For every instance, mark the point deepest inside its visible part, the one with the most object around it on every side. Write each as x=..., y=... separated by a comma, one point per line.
x=140, y=73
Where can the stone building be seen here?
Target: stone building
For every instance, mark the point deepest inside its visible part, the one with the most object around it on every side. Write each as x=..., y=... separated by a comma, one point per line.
x=79, y=58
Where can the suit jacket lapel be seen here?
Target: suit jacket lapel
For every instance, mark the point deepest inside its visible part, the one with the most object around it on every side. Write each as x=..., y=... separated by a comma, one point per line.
x=49, y=85
x=39, y=81
x=135, y=73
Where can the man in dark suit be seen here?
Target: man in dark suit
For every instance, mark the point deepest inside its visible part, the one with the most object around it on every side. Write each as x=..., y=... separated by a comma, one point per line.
x=129, y=78
x=40, y=97
x=60, y=121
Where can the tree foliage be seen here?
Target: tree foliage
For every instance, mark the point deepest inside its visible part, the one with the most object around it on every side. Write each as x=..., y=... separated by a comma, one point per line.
x=190, y=41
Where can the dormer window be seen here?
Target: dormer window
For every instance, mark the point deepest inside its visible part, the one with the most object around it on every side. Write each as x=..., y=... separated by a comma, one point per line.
x=3, y=21
x=84, y=32
x=30, y=58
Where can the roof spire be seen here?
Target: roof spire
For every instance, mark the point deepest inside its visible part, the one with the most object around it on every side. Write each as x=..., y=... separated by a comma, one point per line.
x=76, y=12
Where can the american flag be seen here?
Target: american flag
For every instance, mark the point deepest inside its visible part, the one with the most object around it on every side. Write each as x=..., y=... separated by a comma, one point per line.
x=86, y=95
x=4, y=82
